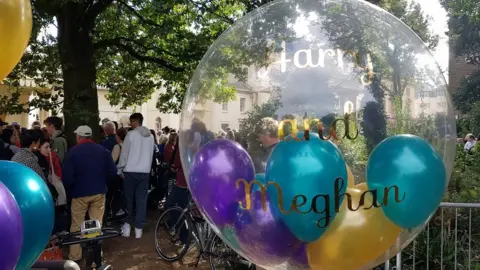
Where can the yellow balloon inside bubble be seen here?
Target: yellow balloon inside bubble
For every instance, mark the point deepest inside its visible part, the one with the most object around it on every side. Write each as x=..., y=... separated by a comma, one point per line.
x=355, y=238
x=351, y=178
x=15, y=31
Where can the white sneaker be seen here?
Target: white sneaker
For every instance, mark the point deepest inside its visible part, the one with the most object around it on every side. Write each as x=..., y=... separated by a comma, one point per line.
x=126, y=229
x=138, y=233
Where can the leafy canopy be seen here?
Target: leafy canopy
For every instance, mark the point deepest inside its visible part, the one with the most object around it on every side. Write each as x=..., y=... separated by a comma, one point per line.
x=139, y=45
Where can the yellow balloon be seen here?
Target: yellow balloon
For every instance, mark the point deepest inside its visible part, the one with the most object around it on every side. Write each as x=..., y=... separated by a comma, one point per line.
x=362, y=186
x=15, y=30
x=351, y=178
x=355, y=238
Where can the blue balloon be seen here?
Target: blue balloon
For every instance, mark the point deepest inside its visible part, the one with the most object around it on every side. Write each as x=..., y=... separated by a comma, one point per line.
x=411, y=173
x=307, y=172
x=36, y=206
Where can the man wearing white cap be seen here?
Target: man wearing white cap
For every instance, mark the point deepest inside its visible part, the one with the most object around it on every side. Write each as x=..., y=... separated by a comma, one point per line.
x=86, y=170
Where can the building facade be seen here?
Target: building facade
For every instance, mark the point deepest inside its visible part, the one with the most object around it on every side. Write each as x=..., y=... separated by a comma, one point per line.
x=153, y=118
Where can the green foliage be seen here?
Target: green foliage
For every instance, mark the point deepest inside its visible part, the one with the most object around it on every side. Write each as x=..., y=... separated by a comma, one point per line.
x=138, y=46
x=354, y=151
x=464, y=28
x=468, y=93
x=374, y=124
x=394, y=61
x=456, y=226
x=467, y=101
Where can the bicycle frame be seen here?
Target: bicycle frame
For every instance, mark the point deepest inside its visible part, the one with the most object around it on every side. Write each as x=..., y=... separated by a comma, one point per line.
x=203, y=235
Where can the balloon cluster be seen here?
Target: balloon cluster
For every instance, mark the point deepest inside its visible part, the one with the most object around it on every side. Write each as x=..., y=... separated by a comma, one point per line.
x=26, y=216
x=294, y=213
x=307, y=183
x=26, y=205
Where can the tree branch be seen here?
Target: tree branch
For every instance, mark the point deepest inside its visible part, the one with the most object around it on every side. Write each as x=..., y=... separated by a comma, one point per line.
x=138, y=15
x=120, y=44
x=108, y=42
x=206, y=8
x=97, y=9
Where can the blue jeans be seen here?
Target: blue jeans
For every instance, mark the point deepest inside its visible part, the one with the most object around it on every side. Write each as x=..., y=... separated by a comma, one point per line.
x=135, y=187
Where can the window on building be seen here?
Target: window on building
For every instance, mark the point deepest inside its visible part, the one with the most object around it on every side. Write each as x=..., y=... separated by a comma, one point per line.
x=442, y=104
x=224, y=126
x=242, y=104
x=225, y=107
x=425, y=105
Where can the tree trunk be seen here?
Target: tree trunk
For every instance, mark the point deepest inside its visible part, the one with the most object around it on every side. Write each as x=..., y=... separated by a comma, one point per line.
x=79, y=70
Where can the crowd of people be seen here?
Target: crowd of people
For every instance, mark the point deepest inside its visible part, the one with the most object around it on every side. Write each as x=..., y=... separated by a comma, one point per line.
x=83, y=176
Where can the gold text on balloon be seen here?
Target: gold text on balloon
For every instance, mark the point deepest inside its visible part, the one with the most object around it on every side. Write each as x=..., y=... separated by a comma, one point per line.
x=323, y=199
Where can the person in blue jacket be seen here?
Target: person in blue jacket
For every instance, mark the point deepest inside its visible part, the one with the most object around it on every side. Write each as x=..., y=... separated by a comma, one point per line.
x=86, y=171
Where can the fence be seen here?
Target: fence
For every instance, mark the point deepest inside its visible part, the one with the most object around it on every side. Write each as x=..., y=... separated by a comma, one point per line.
x=448, y=242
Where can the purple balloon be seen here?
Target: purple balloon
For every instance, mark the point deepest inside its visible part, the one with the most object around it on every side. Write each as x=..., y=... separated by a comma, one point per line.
x=263, y=236
x=11, y=229
x=214, y=172
x=299, y=260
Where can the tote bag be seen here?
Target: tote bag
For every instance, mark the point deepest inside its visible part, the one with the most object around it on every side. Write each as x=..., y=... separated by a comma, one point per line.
x=55, y=181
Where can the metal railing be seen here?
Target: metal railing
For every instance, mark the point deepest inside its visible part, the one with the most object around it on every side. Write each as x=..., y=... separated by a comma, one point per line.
x=448, y=241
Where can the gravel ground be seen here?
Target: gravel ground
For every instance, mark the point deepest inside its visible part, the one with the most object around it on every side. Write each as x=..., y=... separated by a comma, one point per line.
x=132, y=254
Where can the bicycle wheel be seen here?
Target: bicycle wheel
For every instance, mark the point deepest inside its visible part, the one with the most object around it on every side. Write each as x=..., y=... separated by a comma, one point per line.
x=172, y=235
x=223, y=257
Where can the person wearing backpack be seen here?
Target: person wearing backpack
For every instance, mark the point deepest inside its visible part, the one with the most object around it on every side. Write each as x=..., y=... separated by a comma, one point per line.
x=121, y=133
x=115, y=201
x=59, y=141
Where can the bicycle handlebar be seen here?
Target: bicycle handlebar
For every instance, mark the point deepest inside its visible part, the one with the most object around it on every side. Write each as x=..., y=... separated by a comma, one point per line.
x=74, y=238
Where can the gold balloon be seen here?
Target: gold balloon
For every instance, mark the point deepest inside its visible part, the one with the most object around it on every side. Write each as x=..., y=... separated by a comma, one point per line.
x=15, y=30
x=355, y=238
x=351, y=178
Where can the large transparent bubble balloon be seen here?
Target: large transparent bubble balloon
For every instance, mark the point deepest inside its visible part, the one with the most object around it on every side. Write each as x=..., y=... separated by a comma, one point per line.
x=318, y=135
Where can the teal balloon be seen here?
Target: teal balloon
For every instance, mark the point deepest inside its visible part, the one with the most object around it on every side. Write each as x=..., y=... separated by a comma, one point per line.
x=260, y=177
x=309, y=169
x=229, y=234
x=36, y=207
x=409, y=176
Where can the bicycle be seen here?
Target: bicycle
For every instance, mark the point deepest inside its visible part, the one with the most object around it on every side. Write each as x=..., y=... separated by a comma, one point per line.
x=92, y=245
x=179, y=223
